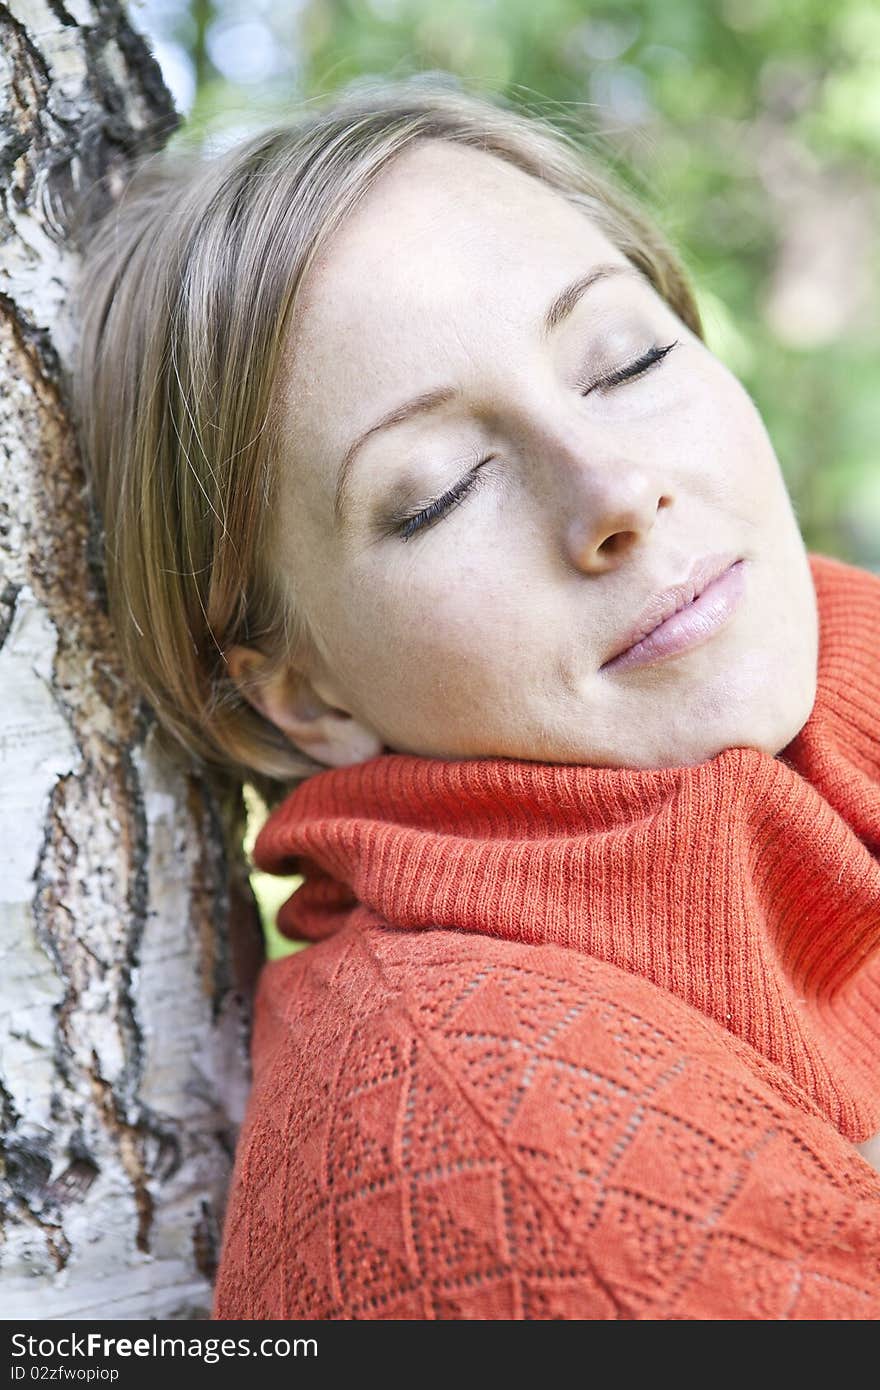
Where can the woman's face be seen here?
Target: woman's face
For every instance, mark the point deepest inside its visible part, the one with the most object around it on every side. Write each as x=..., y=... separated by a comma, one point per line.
x=484, y=631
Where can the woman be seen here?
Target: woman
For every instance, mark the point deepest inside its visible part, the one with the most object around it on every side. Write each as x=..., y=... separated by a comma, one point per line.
x=428, y=501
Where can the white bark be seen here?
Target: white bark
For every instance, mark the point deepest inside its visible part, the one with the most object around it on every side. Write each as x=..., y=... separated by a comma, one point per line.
x=123, y=1034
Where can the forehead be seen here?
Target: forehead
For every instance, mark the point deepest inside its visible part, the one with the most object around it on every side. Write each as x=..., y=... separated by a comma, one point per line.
x=440, y=218
x=450, y=251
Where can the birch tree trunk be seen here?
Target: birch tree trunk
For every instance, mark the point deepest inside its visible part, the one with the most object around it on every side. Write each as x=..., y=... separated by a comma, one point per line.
x=124, y=1013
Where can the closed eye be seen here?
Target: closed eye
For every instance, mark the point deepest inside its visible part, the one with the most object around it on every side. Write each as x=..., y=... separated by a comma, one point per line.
x=407, y=526
x=421, y=520
x=631, y=369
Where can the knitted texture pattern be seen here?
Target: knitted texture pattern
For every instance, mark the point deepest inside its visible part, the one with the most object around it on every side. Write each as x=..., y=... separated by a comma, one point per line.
x=577, y=1042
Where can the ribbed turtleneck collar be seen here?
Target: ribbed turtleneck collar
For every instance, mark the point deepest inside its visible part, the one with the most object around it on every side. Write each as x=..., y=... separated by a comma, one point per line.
x=747, y=885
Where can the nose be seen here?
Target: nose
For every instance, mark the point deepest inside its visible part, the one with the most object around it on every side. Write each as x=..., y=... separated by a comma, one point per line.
x=607, y=501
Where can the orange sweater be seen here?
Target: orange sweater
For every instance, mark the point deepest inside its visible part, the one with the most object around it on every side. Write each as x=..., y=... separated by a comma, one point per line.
x=577, y=1042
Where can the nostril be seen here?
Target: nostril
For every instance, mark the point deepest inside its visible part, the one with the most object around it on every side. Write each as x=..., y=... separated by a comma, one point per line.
x=619, y=541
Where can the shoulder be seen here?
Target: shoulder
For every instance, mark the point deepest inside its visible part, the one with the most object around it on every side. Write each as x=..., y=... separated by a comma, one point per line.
x=455, y=1126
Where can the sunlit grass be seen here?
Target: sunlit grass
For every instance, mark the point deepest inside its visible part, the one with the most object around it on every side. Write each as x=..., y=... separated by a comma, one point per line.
x=270, y=890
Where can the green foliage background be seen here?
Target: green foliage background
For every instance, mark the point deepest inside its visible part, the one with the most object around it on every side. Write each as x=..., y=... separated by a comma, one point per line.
x=750, y=129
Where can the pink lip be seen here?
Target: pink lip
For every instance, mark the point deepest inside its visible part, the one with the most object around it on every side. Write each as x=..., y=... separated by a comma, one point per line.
x=686, y=615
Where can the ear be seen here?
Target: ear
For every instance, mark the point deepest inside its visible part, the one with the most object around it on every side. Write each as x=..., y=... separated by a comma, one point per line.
x=323, y=731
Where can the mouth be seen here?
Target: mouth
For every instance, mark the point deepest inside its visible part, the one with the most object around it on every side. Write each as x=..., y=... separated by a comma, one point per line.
x=685, y=615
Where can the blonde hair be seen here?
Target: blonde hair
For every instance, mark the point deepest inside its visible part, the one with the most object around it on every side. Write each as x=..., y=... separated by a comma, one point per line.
x=184, y=303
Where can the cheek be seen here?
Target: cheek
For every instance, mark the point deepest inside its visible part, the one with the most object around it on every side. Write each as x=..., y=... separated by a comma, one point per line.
x=745, y=472
x=425, y=653
x=440, y=612
x=448, y=610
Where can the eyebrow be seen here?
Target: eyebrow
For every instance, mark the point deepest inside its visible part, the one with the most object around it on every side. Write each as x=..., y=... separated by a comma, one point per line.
x=557, y=313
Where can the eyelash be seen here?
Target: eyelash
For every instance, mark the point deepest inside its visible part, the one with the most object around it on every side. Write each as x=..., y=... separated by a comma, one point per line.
x=408, y=526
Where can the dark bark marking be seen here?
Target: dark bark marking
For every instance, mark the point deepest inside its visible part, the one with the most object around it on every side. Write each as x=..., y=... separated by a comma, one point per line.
x=8, y=599
x=206, y=1241
x=130, y=1144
